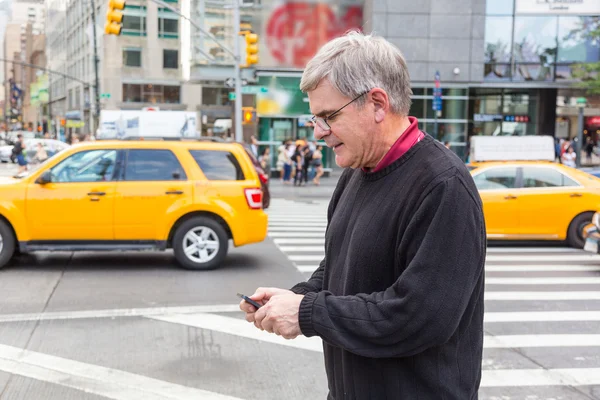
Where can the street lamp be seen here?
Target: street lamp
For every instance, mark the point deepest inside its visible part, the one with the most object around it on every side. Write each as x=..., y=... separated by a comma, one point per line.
x=581, y=103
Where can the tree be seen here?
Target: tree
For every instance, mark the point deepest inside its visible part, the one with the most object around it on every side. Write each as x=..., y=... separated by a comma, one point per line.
x=589, y=72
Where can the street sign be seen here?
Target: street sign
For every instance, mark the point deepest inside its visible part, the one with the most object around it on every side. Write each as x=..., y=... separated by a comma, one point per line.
x=254, y=89
x=231, y=95
x=105, y=95
x=230, y=82
x=437, y=93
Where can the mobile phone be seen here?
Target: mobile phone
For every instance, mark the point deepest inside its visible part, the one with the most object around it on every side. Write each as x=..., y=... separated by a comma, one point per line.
x=249, y=300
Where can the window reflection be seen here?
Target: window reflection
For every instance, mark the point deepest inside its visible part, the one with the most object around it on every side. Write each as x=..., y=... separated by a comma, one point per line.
x=535, y=40
x=498, y=34
x=574, y=42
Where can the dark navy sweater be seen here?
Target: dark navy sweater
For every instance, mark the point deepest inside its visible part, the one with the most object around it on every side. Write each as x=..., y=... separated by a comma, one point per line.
x=398, y=298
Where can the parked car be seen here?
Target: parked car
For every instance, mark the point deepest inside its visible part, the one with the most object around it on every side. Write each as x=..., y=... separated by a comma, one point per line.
x=51, y=146
x=189, y=195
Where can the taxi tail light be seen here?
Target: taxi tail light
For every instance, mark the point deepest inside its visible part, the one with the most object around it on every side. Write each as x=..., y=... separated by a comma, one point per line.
x=254, y=198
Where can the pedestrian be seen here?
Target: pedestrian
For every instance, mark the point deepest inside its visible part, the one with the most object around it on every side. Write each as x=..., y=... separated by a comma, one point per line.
x=317, y=161
x=569, y=157
x=398, y=297
x=18, y=152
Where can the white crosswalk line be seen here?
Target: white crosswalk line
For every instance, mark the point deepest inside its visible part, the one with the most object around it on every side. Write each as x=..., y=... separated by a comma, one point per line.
x=542, y=296
x=299, y=241
x=541, y=316
x=541, y=268
x=521, y=341
x=540, y=377
x=585, y=280
x=543, y=258
x=312, y=229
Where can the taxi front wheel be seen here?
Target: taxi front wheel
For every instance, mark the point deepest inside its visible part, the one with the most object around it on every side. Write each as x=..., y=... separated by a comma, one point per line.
x=7, y=243
x=575, y=232
x=200, y=243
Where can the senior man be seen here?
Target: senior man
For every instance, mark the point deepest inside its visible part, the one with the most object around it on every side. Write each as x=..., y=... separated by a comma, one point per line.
x=398, y=297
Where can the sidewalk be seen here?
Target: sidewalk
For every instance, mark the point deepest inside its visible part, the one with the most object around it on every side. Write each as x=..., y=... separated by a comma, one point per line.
x=323, y=191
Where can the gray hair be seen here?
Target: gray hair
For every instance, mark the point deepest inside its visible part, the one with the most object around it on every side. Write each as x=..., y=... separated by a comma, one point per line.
x=356, y=63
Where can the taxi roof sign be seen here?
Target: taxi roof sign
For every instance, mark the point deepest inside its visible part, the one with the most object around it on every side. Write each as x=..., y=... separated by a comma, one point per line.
x=512, y=148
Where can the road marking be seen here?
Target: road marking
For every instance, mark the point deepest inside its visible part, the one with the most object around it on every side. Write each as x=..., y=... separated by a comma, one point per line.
x=585, y=280
x=541, y=268
x=315, y=229
x=239, y=327
x=304, y=218
x=541, y=316
x=289, y=234
x=534, y=250
x=307, y=268
x=107, y=382
x=131, y=312
x=553, y=296
x=300, y=241
x=303, y=249
x=540, y=377
x=318, y=257
x=521, y=341
x=544, y=259
x=297, y=224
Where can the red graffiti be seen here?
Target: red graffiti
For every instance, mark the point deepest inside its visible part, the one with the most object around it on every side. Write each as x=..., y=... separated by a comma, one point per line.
x=296, y=31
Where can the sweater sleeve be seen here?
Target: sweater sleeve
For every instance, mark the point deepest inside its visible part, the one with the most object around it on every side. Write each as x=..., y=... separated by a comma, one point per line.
x=315, y=283
x=444, y=247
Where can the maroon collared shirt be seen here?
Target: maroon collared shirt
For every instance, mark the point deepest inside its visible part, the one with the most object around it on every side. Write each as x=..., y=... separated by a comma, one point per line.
x=411, y=136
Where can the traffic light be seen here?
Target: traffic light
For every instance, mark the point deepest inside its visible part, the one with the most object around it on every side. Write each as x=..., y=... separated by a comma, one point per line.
x=248, y=115
x=251, y=48
x=114, y=17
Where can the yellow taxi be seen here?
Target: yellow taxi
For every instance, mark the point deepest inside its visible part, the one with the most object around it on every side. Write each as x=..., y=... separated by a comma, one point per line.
x=536, y=200
x=189, y=195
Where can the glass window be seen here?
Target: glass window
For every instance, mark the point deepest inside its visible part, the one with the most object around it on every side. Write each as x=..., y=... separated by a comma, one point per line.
x=535, y=40
x=170, y=58
x=215, y=96
x=171, y=95
x=134, y=23
x=153, y=165
x=86, y=166
x=498, y=35
x=132, y=93
x=499, y=7
x=448, y=131
x=545, y=177
x=168, y=24
x=496, y=178
x=417, y=108
x=574, y=41
x=218, y=165
x=451, y=109
x=132, y=57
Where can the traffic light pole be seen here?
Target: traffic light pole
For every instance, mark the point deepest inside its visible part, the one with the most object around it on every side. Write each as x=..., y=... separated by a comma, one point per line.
x=96, y=77
x=237, y=114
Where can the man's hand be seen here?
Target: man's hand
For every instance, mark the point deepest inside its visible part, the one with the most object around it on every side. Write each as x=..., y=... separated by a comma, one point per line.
x=280, y=315
x=261, y=296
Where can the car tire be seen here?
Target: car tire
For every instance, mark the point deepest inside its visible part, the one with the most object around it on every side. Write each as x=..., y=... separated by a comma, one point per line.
x=7, y=243
x=204, y=256
x=574, y=236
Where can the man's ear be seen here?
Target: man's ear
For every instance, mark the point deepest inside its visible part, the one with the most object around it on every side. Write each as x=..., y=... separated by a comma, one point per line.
x=381, y=104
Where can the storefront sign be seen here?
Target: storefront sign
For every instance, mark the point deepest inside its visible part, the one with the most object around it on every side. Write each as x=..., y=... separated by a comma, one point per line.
x=570, y=7
x=487, y=118
x=512, y=148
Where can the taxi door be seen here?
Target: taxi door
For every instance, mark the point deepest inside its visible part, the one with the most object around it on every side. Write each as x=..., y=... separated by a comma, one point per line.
x=498, y=190
x=549, y=200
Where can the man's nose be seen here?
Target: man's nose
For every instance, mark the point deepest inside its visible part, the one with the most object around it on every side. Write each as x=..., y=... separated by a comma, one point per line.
x=320, y=133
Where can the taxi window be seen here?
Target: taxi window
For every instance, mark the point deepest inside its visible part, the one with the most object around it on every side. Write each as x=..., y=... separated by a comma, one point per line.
x=218, y=165
x=496, y=178
x=545, y=177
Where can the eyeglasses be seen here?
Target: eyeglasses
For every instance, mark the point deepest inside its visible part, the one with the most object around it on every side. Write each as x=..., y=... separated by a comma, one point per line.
x=322, y=122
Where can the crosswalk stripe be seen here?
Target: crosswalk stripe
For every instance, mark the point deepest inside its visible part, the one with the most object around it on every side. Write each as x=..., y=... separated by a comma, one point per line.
x=299, y=241
x=306, y=258
x=540, y=377
x=313, y=229
x=533, y=250
x=89, y=378
x=295, y=224
x=296, y=234
x=541, y=316
x=521, y=341
x=301, y=249
x=542, y=268
x=544, y=258
x=563, y=280
x=542, y=296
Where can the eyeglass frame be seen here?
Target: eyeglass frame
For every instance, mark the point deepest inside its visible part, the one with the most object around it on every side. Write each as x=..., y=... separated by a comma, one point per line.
x=316, y=119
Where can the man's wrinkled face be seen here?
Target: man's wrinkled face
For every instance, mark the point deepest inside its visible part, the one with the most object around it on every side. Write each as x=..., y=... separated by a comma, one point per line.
x=349, y=134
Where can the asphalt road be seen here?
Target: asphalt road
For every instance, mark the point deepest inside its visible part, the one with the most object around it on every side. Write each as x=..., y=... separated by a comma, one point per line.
x=135, y=326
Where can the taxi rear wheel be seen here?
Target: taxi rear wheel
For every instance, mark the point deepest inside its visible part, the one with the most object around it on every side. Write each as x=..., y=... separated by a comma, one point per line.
x=7, y=243
x=575, y=232
x=200, y=243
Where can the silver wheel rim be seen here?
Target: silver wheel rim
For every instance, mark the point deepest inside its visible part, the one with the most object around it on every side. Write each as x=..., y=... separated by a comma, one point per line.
x=1, y=244
x=201, y=244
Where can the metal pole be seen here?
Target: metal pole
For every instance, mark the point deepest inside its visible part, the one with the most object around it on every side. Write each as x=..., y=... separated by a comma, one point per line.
x=579, y=148
x=96, y=77
x=239, y=135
